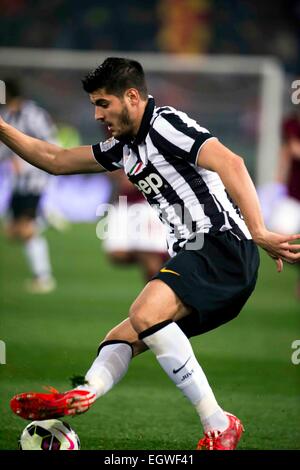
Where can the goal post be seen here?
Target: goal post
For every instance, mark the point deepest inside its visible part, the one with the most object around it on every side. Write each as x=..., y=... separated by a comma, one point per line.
x=238, y=98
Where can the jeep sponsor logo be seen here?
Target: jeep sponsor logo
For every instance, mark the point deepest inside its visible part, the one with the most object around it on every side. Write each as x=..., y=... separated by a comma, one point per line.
x=150, y=184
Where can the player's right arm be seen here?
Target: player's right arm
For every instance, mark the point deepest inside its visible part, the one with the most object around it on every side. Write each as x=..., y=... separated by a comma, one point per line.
x=49, y=157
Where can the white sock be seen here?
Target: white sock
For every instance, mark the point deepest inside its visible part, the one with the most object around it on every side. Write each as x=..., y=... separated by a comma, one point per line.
x=175, y=354
x=108, y=368
x=36, y=249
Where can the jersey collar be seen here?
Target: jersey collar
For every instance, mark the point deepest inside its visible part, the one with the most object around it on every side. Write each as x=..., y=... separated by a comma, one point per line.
x=145, y=124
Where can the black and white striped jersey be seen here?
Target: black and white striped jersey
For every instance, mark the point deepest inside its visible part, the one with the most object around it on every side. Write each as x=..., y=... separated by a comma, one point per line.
x=34, y=121
x=161, y=162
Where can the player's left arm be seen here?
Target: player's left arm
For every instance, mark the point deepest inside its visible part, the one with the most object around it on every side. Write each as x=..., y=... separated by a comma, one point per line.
x=214, y=156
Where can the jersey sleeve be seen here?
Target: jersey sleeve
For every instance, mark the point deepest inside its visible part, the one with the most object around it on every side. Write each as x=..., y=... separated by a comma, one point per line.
x=290, y=129
x=109, y=154
x=174, y=133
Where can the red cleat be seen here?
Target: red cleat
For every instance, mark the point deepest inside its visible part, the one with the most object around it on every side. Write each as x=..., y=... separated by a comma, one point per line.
x=39, y=406
x=225, y=440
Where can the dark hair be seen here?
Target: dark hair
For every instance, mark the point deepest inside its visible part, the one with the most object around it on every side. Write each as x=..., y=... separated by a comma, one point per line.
x=12, y=87
x=116, y=75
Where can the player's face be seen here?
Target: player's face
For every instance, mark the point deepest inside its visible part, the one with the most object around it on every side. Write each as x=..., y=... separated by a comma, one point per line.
x=117, y=113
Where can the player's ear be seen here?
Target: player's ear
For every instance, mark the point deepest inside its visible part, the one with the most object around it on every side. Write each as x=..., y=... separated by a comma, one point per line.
x=132, y=95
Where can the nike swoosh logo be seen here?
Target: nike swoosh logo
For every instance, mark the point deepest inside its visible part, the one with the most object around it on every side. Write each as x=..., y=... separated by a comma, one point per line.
x=175, y=371
x=68, y=439
x=164, y=270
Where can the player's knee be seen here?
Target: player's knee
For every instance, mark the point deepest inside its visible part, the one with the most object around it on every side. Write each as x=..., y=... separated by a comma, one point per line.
x=139, y=318
x=25, y=235
x=24, y=230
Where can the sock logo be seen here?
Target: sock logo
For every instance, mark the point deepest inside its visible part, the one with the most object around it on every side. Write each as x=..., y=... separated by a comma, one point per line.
x=187, y=375
x=175, y=371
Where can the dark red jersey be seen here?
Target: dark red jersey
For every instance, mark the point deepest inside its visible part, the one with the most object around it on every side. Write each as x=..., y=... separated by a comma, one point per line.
x=291, y=130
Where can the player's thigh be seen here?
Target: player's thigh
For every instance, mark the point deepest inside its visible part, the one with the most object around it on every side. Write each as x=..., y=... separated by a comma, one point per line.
x=156, y=303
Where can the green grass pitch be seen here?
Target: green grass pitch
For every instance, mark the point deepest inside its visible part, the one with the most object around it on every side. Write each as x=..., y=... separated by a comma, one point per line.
x=52, y=337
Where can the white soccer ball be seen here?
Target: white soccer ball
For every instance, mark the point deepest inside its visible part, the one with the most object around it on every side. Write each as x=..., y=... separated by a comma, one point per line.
x=50, y=434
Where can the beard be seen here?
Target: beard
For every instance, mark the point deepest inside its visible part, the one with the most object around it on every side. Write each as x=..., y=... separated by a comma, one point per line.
x=125, y=124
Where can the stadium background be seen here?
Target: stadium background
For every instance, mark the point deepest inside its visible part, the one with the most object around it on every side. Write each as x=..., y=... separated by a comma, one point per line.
x=53, y=337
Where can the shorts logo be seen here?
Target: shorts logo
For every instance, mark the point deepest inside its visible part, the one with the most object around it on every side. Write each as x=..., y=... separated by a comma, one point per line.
x=150, y=184
x=164, y=270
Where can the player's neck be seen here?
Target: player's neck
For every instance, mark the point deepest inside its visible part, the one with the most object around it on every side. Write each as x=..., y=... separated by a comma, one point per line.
x=139, y=118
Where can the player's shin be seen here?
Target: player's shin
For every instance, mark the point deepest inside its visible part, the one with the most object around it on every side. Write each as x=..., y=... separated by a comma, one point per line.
x=37, y=252
x=175, y=354
x=108, y=368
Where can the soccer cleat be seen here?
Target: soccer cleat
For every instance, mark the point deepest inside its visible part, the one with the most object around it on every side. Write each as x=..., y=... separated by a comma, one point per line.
x=225, y=440
x=40, y=406
x=40, y=285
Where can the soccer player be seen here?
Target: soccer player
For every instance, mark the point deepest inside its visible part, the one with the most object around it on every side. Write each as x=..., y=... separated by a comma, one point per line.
x=29, y=183
x=212, y=235
x=285, y=216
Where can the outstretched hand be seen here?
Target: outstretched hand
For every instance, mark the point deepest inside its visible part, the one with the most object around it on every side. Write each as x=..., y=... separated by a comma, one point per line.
x=280, y=247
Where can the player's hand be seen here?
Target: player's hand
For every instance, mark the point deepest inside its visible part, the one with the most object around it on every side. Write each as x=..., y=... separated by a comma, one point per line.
x=280, y=247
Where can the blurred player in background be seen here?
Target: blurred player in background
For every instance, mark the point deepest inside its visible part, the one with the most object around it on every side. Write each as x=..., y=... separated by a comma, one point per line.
x=183, y=171
x=134, y=232
x=28, y=185
x=285, y=216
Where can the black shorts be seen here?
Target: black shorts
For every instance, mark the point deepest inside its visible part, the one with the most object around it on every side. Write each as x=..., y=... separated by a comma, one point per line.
x=24, y=205
x=215, y=281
